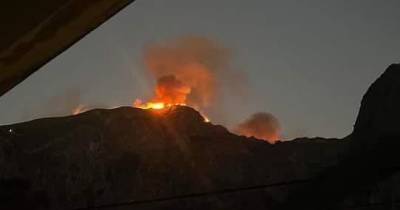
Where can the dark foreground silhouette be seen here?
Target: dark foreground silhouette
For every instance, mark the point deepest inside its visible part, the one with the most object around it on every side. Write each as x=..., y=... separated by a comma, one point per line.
x=128, y=158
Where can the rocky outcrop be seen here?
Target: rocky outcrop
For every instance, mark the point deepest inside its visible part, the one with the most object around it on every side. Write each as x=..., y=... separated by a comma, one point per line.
x=129, y=158
x=380, y=108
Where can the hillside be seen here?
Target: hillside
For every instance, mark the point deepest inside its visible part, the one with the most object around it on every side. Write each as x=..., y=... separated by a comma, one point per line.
x=129, y=158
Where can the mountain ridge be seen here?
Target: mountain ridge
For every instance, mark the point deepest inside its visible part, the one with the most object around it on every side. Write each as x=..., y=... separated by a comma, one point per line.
x=126, y=155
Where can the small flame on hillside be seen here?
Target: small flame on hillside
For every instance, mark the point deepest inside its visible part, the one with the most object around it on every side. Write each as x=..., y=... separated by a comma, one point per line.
x=79, y=109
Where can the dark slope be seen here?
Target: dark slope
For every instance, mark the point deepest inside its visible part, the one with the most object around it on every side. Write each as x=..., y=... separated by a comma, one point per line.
x=380, y=108
x=114, y=156
x=373, y=155
x=128, y=158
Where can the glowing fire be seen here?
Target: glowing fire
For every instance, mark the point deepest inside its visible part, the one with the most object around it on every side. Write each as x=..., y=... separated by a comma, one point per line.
x=149, y=105
x=205, y=118
x=161, y=106
x=185, y=73
x=154, y=105
x=79, y=109
x=169, y=91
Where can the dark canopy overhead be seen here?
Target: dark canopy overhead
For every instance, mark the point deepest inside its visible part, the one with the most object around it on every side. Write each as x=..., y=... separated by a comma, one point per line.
x=35, y=31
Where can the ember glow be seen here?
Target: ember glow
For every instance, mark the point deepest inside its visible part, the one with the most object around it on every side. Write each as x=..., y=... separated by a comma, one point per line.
x=149, y=105
x=79, y=109
x=161, y=106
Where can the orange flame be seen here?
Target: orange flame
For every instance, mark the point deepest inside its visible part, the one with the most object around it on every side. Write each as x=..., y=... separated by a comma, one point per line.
x=79, y=109
x=186, y=73
x=149, y=105
x=160, y=106
x=169, y=91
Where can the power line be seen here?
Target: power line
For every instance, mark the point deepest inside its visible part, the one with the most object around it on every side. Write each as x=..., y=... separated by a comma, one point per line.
x=196, y=195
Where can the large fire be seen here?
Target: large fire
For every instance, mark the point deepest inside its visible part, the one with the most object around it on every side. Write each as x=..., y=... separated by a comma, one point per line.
x=189, y=72
x=162, y=106
x=150, y=105
x=184, y=71
x=169, y=91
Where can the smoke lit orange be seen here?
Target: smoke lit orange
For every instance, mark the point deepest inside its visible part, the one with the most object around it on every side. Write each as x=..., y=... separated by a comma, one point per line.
x=261, y=125
x=169, y=91
x=184, y=71
x=190, y=71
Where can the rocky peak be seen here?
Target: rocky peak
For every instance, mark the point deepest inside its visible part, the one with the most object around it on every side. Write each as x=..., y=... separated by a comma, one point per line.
x=111, y=157
x=380, y=107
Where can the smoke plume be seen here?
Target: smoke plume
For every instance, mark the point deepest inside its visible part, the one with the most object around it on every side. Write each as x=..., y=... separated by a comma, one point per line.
x=195, y=71
x=171, y=90
x=260, y=125
x=186, y=69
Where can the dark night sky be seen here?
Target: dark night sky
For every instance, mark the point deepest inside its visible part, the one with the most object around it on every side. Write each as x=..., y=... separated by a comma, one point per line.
x=307, y=62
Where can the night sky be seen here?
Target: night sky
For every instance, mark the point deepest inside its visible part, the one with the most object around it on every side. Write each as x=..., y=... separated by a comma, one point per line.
x=306, y=62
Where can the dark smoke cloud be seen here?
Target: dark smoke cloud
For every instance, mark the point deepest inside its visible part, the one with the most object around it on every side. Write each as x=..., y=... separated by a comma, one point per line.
x=261, y=125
